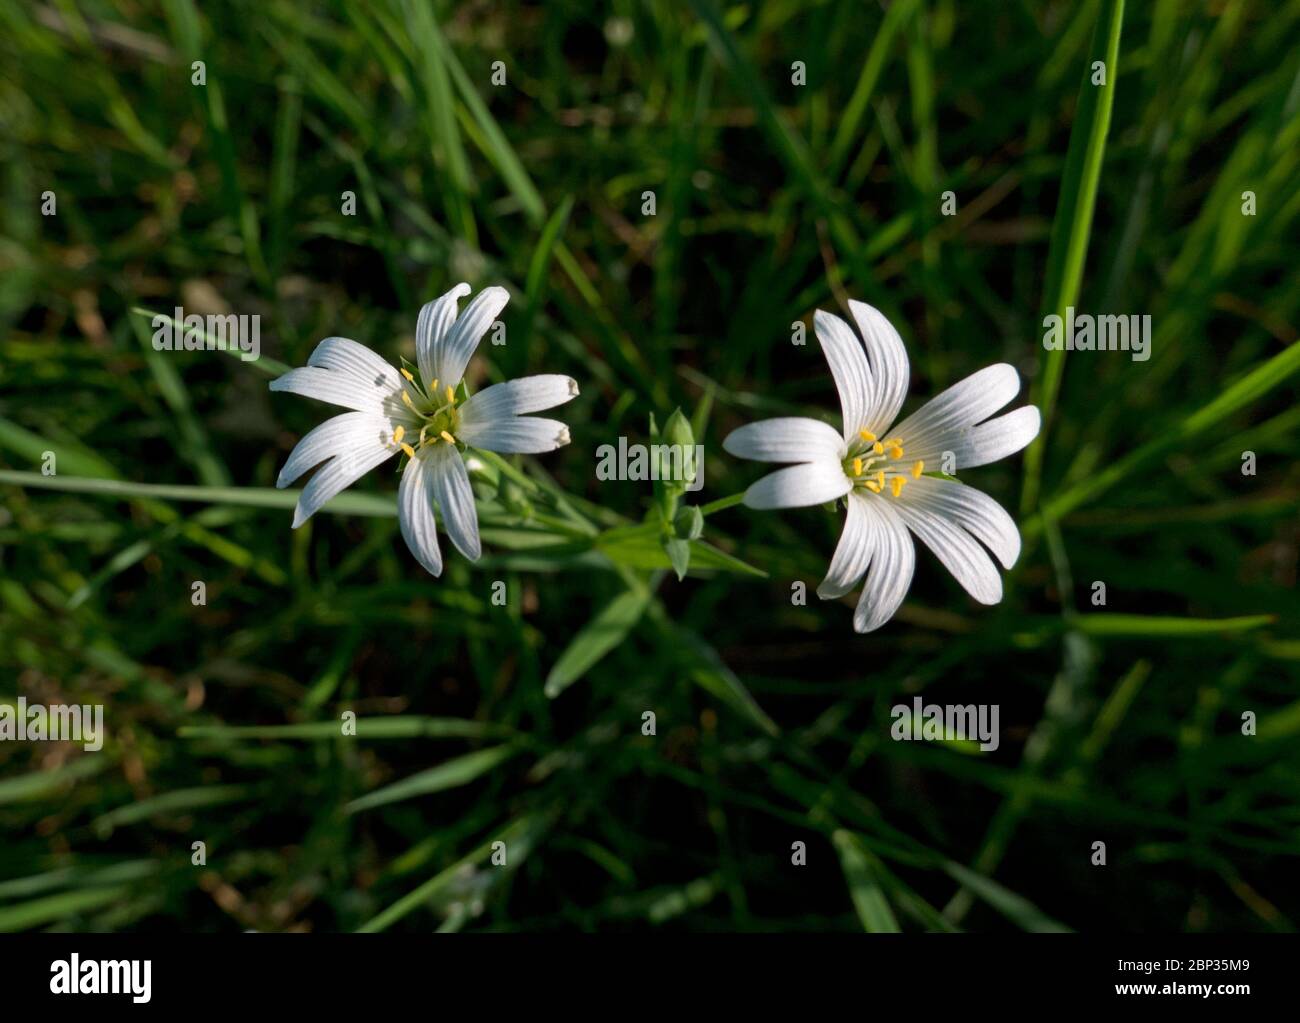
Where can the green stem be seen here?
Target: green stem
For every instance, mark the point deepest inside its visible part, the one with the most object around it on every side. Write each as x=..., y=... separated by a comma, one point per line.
x=256, y=497
x=372, y=505
x=1068, y=248
x=554, y=493
x=722, y=503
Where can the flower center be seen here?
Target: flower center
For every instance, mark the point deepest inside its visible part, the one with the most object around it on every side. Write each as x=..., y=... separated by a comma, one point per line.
x=438, y=415
x=877, y=465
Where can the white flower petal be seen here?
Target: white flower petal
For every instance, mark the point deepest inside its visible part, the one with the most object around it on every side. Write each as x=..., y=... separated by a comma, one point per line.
x=431, y=328
x=453, y=351
x=455, y=499
x=968, y=562
x=971, y=509
x=893, y=559
x=800, y=486
x=979, y=445
x=517, y=397
x=521, y=435
x=415, y=511
x=335, y=476
x=346, y=433
x=999, y=437
x=853, y=552
x=939, y=424
x=848, y=363
x=788, y=439
x=336, y=388
x=887, y=357
x=363, y=368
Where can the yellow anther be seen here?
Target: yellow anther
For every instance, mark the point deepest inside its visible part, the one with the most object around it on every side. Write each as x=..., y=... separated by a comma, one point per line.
x=857, y=467
x=451, y=394
x=896, y=485
x=895, y=442
x=917, y=469
x=408, y=450
x=895, y=452
x=406, y=399
x=872, y=487
x=434, y=388
x=880, y=479
x=447, y=437
x=867, y=435
x=407, y=373
x=878, y=448
x=398, y=434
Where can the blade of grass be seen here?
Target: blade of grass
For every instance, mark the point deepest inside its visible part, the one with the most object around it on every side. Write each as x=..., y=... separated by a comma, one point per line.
x=1253, y=385
x=454, y=773
x=1015, y=908
x=395, y=727
x=606, y=630
x=868, y=897
x=1068, y=248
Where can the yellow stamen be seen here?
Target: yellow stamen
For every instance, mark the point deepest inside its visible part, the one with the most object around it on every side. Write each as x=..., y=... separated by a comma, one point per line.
x=407, y=373
x=878, y=448
x=895, y=452
x=451, y=394
x=872, y=487
x=398, y=434
x=447, y=437
x=880, y=479
x=408, y=450
x=434, y=388
x=895, y=442
x=896, y=485
x=867, y=435
x=917, y=469
x=406, y=399
x=857, y=467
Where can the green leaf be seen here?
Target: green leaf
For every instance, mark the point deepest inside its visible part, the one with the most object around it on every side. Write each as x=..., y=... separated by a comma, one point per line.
x=257, y=497
x=493, y=141
x=1072, y=225
x=597, y=638
x=1164, y=625
x=174, y=802
x=689, y=523
x=709, y=671
x=540, y=262
x=1015, y=908
x=638, y=547
x=868, y=896
x=396, y=727
x=1253, y=385
x=519, y=836
x=430, y=56
x=39, y=784
x=679, y=553
x=453, y=774
x=54, y=908
x=848, y=119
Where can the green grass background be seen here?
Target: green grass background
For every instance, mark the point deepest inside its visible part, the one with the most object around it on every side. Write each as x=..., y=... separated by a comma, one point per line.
x=1120, y=724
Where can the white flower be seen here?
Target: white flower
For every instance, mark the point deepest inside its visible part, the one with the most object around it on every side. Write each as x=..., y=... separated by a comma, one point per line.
x=425, y=419
x=880, y=469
